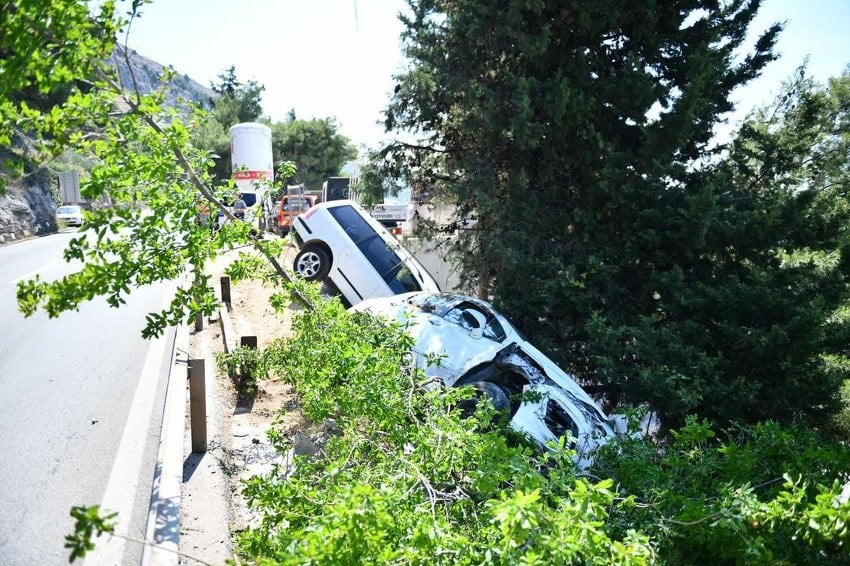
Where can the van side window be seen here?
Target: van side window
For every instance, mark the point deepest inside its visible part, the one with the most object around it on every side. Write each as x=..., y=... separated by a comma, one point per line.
x=382, y=257
x=353, y=224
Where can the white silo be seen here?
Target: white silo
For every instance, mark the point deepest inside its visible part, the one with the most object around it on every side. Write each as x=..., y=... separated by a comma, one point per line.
x=251, y=162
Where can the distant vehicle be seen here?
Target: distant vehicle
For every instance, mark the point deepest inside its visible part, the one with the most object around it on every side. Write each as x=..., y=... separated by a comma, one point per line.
x=70, y=215
x=481, y=348
x=291, y=206
x=392, y=215
x=336, y=188
x=339, y=241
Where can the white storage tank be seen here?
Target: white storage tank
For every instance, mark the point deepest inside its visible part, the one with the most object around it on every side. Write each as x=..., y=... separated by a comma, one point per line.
x=251, y=163
x=251, y=147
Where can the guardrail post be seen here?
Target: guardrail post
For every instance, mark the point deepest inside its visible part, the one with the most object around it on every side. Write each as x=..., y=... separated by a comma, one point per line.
x=225, y=291
x=198, y=405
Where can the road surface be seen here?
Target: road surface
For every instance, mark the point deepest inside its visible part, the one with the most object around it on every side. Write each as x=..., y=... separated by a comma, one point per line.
x=82, y=398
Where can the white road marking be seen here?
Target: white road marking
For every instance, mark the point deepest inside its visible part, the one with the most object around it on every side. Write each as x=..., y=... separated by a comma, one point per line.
x=124, y=479
x=35, y=272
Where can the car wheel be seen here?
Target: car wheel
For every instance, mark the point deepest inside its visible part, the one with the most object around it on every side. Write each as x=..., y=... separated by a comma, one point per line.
x=312, y=263
x=494, y=394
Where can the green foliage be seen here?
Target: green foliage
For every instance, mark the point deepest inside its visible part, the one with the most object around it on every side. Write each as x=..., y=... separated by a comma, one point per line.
x=89, y=523
x=244, y=366
x=760, y=494
x=750, y=324
x=43, y=62
x=840, y=425
x=144, y=165
x=403, y=478
x=317, y=148
x=236, y=102
x=377, y=182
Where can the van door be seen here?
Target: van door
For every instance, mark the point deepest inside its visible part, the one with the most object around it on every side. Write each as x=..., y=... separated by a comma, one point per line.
x=385, y=264
x=354, y=268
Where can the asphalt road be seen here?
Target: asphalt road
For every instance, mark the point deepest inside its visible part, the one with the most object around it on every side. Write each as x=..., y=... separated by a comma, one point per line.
x=81, y=401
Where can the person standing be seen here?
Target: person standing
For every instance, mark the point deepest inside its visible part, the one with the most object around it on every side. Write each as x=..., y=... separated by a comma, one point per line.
x=239, y=207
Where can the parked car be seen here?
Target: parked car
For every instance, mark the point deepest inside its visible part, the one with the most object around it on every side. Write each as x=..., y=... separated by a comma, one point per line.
x=481, y=348
x=291, y=206
x=341, y=242
x=70, y=215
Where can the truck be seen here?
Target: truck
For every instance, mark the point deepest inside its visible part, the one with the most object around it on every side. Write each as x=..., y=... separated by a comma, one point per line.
x=336, y=188
x=291, y=205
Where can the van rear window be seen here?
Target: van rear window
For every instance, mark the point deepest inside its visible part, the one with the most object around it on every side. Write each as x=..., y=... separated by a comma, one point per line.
x=352, y=222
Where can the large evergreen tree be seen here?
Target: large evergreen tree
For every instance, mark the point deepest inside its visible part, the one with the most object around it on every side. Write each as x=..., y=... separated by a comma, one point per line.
x=579, y=136
x=749, y=322
x=234, y=102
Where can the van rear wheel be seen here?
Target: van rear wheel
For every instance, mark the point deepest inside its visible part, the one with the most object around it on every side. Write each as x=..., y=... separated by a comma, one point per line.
x=312, y=263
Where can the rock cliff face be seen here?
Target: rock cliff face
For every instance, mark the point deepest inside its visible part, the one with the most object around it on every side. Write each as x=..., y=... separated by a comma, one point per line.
x=26, y=212
x=28, y=208
x=146, y=76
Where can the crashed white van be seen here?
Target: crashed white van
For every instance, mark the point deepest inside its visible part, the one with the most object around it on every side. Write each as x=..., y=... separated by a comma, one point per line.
x=481, y=348
x=340, y=241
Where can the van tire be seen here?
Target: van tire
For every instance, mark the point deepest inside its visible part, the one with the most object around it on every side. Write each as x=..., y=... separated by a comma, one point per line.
x=312, y=263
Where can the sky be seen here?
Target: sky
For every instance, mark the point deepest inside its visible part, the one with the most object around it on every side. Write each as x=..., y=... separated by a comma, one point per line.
x=337, y=58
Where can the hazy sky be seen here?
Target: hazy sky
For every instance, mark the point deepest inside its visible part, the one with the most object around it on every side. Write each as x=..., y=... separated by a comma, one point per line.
x=336, y=58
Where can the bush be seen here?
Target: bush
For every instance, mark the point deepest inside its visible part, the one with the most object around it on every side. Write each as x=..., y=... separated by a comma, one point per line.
x=753, y=494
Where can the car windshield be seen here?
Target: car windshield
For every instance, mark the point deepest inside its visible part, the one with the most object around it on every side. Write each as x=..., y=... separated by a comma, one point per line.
x=465, y=314
x=68, y=210
x=296, y=204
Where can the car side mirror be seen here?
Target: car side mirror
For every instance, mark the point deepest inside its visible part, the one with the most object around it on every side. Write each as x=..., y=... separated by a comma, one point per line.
x=475, y=321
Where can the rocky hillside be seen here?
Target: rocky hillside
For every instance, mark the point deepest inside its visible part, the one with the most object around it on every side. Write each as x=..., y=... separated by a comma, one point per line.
x=28, y=207
x=146, y=74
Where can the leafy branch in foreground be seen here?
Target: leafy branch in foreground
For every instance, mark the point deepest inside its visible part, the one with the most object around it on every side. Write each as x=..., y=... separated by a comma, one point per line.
x=403, y=477
x=89, y=524
x=148, y=172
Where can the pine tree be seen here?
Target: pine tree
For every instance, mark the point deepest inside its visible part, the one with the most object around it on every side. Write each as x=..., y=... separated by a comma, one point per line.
x=579, y=137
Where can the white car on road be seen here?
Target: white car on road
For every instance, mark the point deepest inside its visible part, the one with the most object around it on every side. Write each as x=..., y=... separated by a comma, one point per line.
x=481, y=348
x=340, y=241
x=70, y=215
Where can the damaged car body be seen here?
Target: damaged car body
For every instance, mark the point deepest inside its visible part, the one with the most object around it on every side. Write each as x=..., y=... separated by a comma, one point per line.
x=463, y=341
